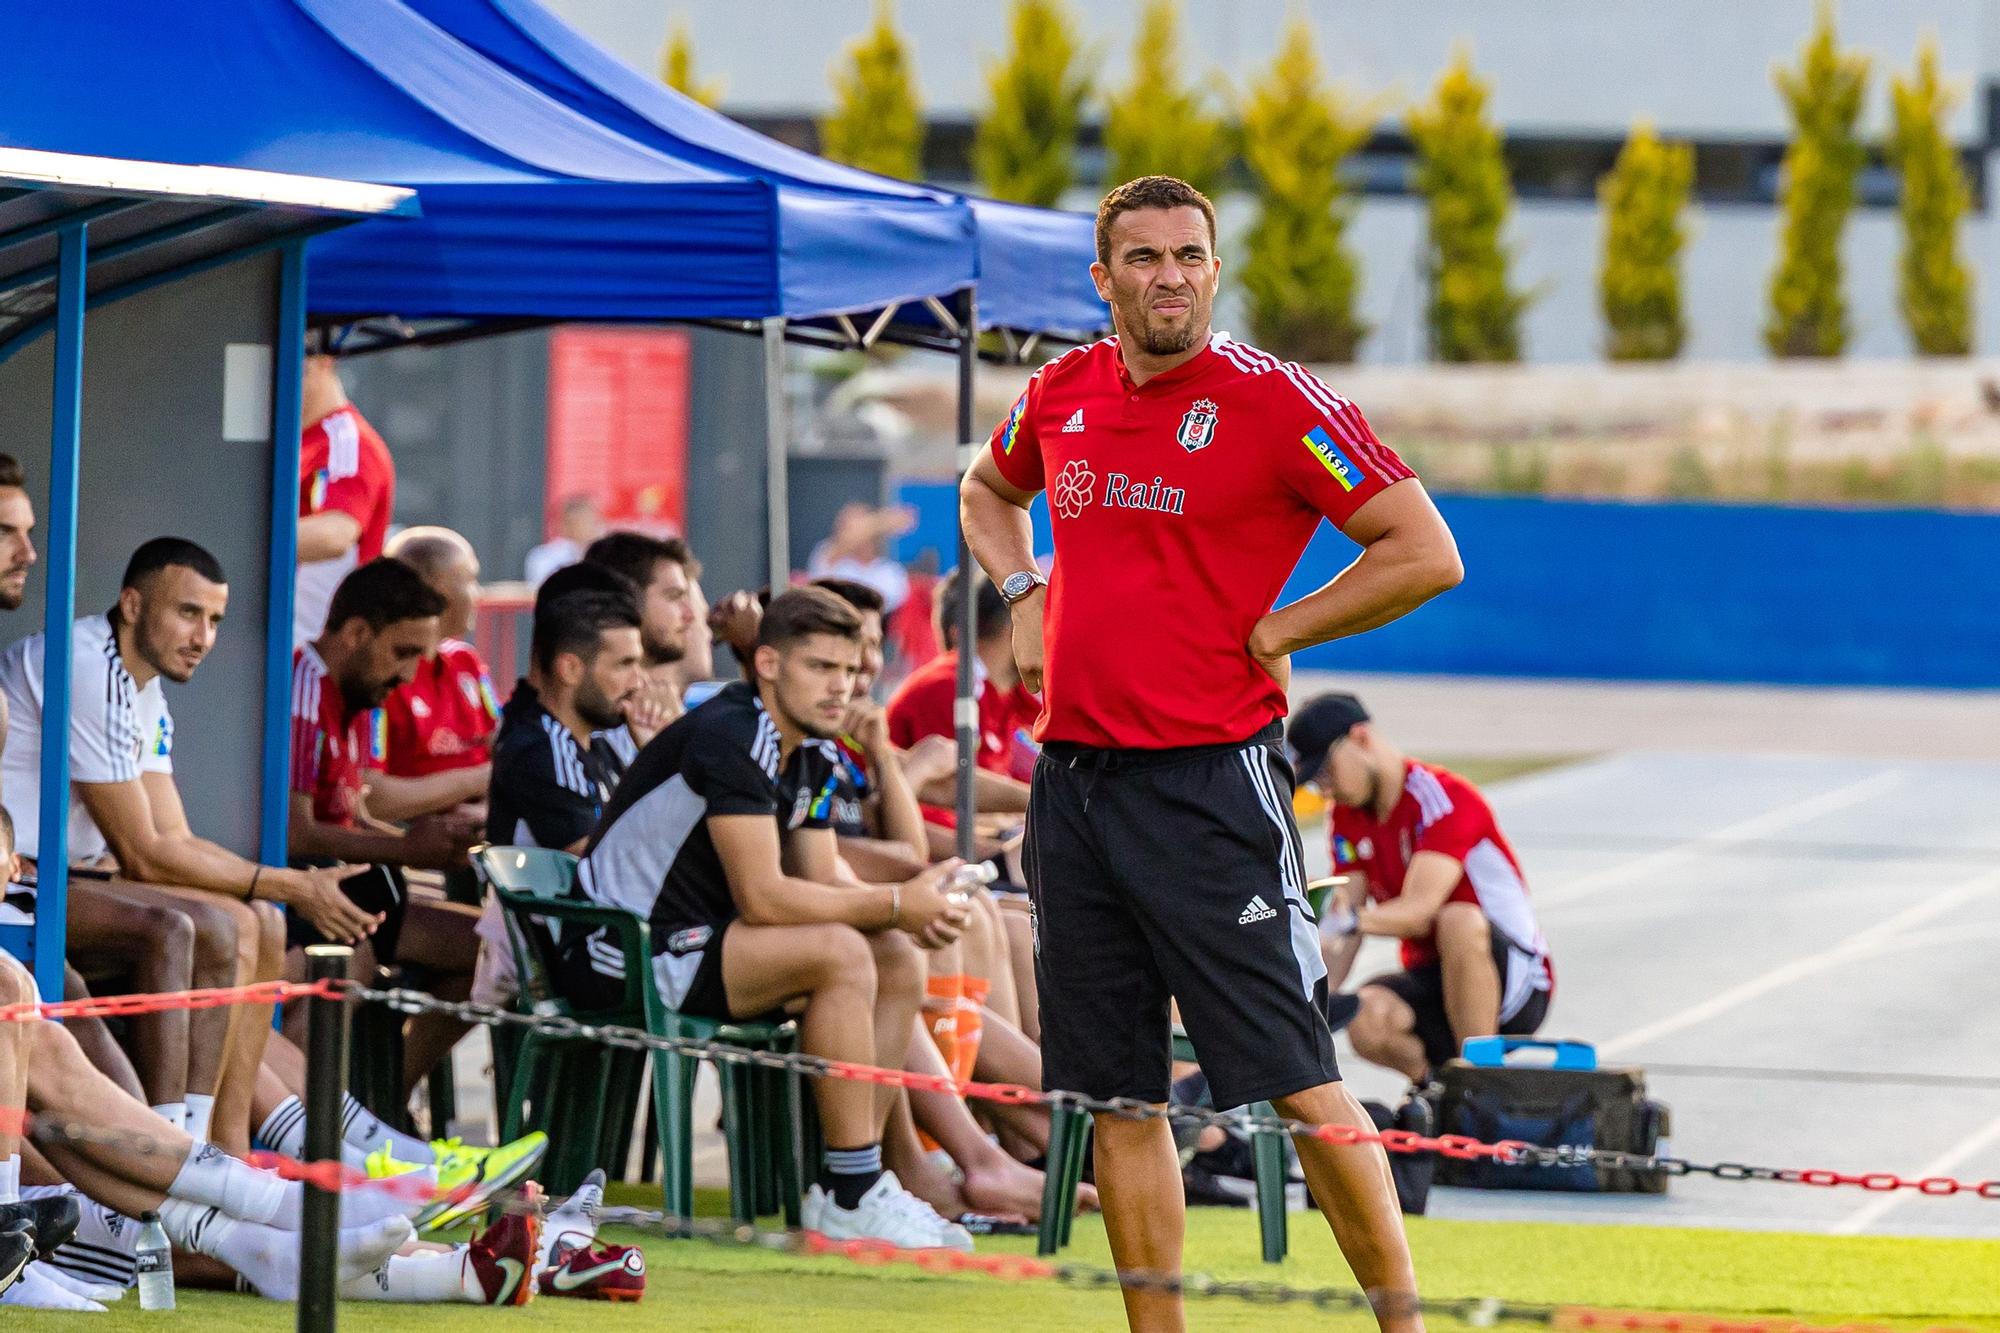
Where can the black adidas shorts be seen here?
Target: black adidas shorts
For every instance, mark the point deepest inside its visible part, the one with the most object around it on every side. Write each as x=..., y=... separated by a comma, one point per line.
x=1174, y=873
x=1422, y=988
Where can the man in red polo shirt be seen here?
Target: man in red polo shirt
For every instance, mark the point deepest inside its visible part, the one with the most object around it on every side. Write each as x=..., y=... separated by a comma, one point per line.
x=383, y=622
x=1185, y=474
x=347, y=491
x=432, y=741
x=923, y=704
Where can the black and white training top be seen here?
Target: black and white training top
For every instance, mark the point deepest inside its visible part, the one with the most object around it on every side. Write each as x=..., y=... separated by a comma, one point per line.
x=652, y=854
x=546, y=790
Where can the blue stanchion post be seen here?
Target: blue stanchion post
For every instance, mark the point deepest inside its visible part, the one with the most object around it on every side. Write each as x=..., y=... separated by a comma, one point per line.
x=965, y=711
x=59, y=610
x=274, y=792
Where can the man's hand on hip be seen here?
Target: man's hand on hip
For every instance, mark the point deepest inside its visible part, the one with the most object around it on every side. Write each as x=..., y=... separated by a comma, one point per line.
x=1028, y=638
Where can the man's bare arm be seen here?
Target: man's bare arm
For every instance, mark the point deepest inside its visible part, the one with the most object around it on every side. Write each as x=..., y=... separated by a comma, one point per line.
x=1426, y=888
x=397, y=799
x=994, y=514
x=327, y=534
x=1407, y=557
x=992, y=793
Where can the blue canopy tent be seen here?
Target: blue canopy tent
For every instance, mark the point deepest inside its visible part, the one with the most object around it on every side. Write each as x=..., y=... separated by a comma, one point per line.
x=1033, y=263
x=77, y=233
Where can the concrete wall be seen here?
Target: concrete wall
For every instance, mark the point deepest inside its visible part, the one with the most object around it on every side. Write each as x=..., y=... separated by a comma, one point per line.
x=155, y=463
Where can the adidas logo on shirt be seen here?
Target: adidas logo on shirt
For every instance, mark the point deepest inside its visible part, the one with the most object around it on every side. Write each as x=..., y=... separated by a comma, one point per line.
x=1074, y=426
x=1258, y=910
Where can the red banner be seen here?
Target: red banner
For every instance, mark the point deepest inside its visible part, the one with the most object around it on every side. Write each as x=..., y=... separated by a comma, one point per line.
x=618, y=426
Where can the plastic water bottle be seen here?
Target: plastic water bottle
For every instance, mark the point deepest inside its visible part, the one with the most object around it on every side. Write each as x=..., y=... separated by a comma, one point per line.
x=156, y=1265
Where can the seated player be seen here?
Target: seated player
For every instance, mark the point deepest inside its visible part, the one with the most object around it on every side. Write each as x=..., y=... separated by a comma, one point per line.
x=923, y=706
x=663, y=570
x=718, y=837
x=1430, y=867
x=126, y=813
x=382, y=624
x=553, y=768
x=435, y=732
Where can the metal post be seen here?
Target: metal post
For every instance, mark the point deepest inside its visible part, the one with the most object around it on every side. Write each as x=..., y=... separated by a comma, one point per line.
x=59, y=609
x=965, y=713
x=274, y=800
x=777, y=446
x=326, y=1080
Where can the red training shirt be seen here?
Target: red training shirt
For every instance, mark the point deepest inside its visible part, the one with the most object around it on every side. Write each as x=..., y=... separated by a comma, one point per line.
x=1180, y=508
x=923, y=706
x=329, y=742
x=442, y=720
x=1442, y=812
x=345, y=466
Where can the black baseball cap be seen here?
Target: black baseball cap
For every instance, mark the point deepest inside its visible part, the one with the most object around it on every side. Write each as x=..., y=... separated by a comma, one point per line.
x=1317, y=727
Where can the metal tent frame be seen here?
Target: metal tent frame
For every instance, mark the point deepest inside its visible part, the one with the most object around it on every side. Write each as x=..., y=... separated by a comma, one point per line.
x=77, y=233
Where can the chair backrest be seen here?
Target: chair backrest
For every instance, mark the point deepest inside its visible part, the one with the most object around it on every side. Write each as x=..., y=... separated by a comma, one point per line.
x=543, y=871
x=539, y=872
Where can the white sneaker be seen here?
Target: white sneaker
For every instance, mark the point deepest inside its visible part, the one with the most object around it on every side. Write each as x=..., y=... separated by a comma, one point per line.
x=886, y=1212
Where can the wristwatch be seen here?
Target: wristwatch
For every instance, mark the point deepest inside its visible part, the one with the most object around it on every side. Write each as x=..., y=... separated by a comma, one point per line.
x=1020, y=583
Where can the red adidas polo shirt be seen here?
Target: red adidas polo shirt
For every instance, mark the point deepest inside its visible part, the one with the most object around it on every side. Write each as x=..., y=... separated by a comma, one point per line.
x=442, y=720
x=1180, y=507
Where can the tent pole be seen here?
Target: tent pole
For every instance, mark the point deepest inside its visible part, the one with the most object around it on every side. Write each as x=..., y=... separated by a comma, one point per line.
x=274, y=800
x=965, y=713
x=59, y=610
x=777, y=444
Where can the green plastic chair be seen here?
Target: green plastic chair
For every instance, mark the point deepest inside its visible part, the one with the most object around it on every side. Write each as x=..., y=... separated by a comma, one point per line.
x=582, y=1094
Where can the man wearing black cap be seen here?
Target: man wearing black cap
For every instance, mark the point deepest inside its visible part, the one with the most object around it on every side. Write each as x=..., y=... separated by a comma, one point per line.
x=1430, y=867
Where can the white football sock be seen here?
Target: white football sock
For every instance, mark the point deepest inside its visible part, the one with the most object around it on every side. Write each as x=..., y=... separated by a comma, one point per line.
x=269, y=1258
x=10, y=1179
x=211, y=1176
x=174, y=1113
x=76, y=1286
x=429, y=1277
x=284, y=1131
x=200, y=1110
x=362, y=1128
x=37, y=1291
x=577, y=1217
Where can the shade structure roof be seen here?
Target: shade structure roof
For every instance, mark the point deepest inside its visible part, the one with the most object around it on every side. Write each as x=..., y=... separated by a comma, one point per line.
x=531, y=209
x=1033, y=262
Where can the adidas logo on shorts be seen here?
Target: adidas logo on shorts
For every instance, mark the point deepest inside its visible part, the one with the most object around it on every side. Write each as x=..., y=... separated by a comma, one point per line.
x=1258, y=910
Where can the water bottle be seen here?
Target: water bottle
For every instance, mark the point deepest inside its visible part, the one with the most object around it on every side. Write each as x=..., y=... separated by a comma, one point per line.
x=156, y=1265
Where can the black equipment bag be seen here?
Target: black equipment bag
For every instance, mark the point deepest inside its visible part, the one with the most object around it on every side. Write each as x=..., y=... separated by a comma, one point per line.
x=1570, y=1103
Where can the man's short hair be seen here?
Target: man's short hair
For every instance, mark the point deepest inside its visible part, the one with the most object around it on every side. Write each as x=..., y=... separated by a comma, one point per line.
x=11, y=474
x=381, y=593
x=6, y=830
x=855, y=593
x=637, y=555
x=1149, y=192
x=576, y=621
x=166, y=552
x=991, y=610
x=799, y=613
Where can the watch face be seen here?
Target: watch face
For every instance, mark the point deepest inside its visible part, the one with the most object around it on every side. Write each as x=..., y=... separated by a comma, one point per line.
x=1017, y=585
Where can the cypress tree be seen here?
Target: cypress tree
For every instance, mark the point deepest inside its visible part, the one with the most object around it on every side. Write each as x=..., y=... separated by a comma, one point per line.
x=1816, y=193
x=1025, y=146
x=1642, y=199
x=1934, y=284
x=677, y=68
x=1300, y=278
x=1157, y=125
x=876, y=123
x=1474, y=313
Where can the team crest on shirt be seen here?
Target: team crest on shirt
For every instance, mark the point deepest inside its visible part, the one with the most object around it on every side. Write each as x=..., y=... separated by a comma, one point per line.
x=1198, y=426
x=1073, y=488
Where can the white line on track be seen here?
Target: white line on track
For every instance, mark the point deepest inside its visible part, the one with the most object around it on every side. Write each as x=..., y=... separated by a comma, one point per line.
x=1730, y=835
x=1876, y=1209
x=1855, y=946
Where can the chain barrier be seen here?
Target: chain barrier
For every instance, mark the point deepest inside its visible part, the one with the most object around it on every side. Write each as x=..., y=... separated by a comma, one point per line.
x=1507, y=1152
x=123, y=1006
